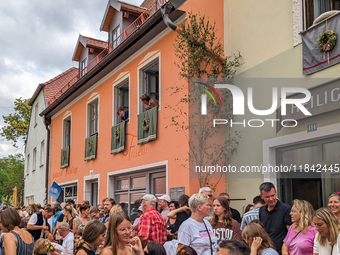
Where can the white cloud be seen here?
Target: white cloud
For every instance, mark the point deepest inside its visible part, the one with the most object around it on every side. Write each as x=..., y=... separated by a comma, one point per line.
x=37, y=41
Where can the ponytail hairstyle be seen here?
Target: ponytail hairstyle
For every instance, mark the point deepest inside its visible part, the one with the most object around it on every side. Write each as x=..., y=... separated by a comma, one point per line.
x=69, y=208
x=92, y=231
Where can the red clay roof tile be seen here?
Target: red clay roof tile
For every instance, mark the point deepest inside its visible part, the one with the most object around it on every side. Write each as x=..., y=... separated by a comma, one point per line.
x=59, y=84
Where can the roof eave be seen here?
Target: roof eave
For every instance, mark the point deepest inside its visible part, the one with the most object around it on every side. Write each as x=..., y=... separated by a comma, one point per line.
x=114, y=4
x=35, y=94
x=144, y=33
x=81, y=42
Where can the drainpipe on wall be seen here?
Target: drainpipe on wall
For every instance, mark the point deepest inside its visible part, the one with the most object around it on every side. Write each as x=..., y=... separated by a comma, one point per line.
x=166, y=10
x=47, y=122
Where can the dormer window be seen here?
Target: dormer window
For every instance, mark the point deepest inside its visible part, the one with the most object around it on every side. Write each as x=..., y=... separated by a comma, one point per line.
x=115, y=37
x=83, y=66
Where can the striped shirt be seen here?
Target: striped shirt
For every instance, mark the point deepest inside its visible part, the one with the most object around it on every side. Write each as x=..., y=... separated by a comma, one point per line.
x=249, y=216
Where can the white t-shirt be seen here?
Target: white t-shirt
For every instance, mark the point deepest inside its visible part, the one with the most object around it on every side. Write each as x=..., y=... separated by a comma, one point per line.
x=194, y=234
x=326, y=250
x=68, y=245
x=33, y=220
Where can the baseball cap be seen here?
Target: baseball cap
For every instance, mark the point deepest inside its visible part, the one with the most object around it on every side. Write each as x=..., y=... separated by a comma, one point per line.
x=140, y=209
x=149, y=198
x=166, y=198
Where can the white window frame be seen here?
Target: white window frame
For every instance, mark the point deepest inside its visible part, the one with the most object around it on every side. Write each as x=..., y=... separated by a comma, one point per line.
x=140, y=83
x=68, y=184
x=67, y=118
x=88, y=180
x=42, y=152
x=28, y=164
x=304, y=20
x=36, y=113
x=83, y=65
x=34, y=159
x=148, y=170
x=115, y=88
x=116, y=32
x=91, y=101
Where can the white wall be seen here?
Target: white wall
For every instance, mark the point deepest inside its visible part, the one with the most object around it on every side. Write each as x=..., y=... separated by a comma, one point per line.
x=35, y=179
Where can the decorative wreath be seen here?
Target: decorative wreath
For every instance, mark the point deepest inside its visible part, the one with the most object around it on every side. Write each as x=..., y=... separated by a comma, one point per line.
x=146, y=122
x=117, y=135
x=327, y=41
x=64, y=155
x=89, y=145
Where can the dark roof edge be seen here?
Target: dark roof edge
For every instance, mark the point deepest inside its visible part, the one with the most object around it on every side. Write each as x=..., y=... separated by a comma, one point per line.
x=36, y=93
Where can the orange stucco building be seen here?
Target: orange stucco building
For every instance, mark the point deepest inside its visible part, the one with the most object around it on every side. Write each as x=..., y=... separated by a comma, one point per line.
x=135, y=62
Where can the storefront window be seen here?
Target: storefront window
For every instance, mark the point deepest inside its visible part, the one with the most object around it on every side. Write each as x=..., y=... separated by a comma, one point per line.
x=300, y=156
x=331, y=151
x=122, y=184
x=129, y=189
x=68, y=192
x=139, y=182
x=312, y=167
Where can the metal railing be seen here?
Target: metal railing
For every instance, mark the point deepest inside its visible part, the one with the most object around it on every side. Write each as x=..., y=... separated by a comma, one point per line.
x=123, y=36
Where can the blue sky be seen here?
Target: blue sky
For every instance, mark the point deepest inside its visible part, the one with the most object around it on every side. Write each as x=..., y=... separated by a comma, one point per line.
x=37, y=41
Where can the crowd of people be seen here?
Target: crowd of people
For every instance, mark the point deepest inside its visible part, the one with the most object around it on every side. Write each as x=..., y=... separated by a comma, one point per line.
x=201, y=224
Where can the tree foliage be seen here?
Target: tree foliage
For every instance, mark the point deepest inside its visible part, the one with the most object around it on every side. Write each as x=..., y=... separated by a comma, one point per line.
x=200, y=55
x=11, y=175
x=16, y=124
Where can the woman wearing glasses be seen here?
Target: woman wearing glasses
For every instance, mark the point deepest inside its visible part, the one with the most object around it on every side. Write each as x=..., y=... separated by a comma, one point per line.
x=301, y=234
x=118, y=239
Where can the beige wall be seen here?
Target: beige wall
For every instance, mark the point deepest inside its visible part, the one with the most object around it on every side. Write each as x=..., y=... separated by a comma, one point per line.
x=265, y=33
x=259, y=29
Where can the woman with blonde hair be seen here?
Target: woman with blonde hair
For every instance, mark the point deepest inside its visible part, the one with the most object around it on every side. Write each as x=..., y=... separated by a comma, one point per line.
x=327, y=240
x=32, y=209
x=69, y=217
x=258, y=240
x=116, y=208
x=118, y=237
x=197, y=232
x=93, y=236
x=334, y=204
x=301, y=234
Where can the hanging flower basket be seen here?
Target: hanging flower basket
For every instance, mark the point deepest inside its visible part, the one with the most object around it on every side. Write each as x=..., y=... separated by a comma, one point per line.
x=327, y=41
